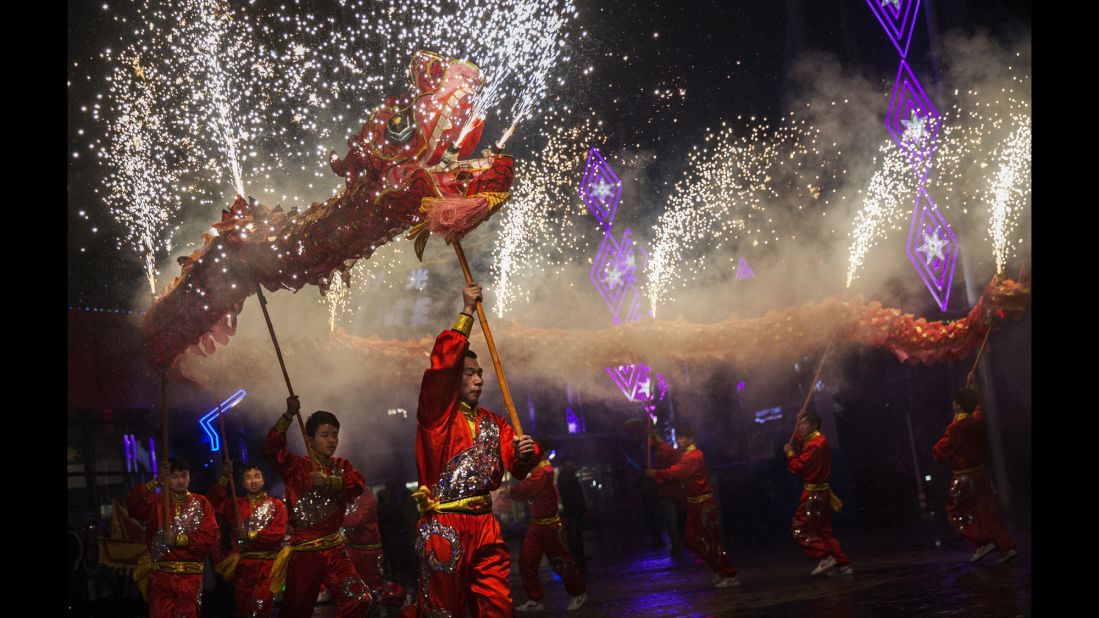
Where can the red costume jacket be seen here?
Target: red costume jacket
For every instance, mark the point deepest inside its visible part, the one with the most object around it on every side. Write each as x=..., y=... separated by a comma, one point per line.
x=690, y=470
x=264, y=518
x=539, y=490
x=192, y=516
x=361, y=521
x=814, y=463
x=314, y=512
x=963, y=445
x=452, y=462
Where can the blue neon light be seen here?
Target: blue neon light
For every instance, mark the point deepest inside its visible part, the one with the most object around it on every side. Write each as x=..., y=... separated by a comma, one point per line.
x=206, y=421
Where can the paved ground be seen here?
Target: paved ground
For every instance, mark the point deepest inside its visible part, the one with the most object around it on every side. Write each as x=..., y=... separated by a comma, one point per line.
x=921, y=572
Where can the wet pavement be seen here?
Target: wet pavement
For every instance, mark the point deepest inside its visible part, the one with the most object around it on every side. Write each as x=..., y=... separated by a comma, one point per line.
x=776, y=582
x=900, y=572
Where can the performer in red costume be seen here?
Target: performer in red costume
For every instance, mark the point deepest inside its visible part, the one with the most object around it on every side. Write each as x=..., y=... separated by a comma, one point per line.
x=461, y=453
x=703, y=534
x=258, y=537
x=812, y=525
x=364, y=545
x=170, y=576
x=971, y=502
x=317, y=494
x=544, y=536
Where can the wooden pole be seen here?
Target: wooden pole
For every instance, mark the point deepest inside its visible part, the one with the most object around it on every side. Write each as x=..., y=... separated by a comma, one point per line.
x=508, y=403
x=285, y=375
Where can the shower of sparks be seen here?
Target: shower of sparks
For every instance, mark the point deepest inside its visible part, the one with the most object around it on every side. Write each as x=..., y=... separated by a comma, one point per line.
x=219, y=57
x=1010, y=189
x=266, y=91
x=540, y=226
x=545, y=44
x=141, y=170
x=726, y=192
x=338, y=300
x=888, y=193
x=361, y=52
x=984, y=160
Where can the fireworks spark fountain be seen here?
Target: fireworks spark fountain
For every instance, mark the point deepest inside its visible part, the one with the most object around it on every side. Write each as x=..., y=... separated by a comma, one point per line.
x=337, y=299
x=1010, y=189
x=886, y=194
x=726, y=190
x=539, y=227
x=142, y=171
x=215, y=37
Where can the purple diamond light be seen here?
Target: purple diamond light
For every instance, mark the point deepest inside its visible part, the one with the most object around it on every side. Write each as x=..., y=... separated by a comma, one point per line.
x=600, y=189
x=912, y=121
x=898, y=18
x=638, y=383
x=932, y=248
x=614, y=274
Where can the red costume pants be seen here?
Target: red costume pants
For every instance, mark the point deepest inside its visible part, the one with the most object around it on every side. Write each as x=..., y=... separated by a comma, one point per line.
x=971, y=509
x=253, y=588
x=463, y=563
x=812, y=526
x=546, y=539
x=333, y=568
x=703, y=536
x=174, y=595
x=370, y=564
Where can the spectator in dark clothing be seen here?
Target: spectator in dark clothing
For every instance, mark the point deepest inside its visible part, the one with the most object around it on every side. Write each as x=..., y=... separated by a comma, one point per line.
x=573, y=507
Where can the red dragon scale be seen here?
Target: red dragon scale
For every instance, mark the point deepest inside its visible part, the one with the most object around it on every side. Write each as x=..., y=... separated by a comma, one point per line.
x=405, y=152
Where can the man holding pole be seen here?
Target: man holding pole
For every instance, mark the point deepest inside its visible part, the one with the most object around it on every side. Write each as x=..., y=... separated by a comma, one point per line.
x=179, y=539
x=812, y=525
x=971, y=502
x=544, y=537
x=461, y=454
x=259, y=525
x=703, y=530
x=318, y=489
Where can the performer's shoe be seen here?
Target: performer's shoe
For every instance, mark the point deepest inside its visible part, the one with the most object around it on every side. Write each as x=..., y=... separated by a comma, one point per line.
x=824, y=565
x=727, y=582
x=1007, y=556
x=577, y=602
x=982, y=551
x=843, y=570
x=530, y=606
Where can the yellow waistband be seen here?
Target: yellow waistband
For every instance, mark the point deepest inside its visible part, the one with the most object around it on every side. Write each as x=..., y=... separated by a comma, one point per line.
x=259, y=555
x=473, y=504
x=833, y=499
x=328, y=541
x=697, y=499
x=545, y=521
x=179, y=566
x=970, y=470
x=371, y=546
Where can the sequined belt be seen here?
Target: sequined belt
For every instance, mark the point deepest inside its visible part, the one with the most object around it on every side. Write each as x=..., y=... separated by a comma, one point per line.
x=970, y=470
x=699, y=499
x=371, y=546
x=545, y=521
x=473, y=504
x=259, y=555
x=179, y=566
x=328, y=541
